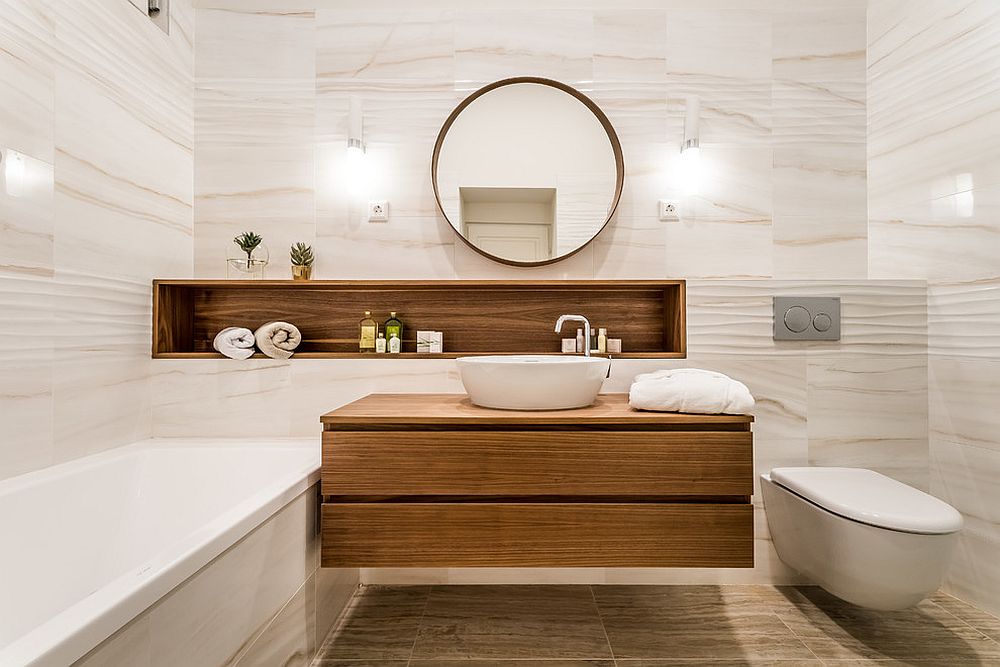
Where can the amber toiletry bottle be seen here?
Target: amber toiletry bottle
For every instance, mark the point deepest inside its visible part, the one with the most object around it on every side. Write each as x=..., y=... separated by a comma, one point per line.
x=369, y=332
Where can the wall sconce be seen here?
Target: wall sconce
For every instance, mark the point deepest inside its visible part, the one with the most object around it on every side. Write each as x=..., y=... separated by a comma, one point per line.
x=355, y=128
x=357, y=164
x=691, y=148
x=13, y=172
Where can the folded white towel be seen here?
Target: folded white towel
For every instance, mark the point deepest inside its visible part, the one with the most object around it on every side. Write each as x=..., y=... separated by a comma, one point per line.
x=690, y=390
x=277, y=339
x=234, y=342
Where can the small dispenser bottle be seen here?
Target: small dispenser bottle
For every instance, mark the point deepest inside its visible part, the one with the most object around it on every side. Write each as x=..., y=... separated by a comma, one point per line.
x=393, y=326
x=395, y=344
x=579, y=341
x=602, y=341
x=369, y=333
x=380, y=344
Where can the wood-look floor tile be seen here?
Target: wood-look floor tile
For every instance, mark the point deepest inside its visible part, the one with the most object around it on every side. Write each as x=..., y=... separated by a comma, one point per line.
x=381, y=625
x=507, y=622
x=698, y=622
x=512, y=663
x=326, y=662
x=716, y=662
x=986, y=623
x=924, y=634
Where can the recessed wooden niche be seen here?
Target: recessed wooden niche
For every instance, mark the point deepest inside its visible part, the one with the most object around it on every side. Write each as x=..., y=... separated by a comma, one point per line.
x=476, y=317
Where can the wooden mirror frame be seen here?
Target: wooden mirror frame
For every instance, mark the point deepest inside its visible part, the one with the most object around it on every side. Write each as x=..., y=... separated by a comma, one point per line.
x=616, y=147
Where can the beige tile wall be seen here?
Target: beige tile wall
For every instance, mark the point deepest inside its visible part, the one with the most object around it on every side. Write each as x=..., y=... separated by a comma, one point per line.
x=934, y=178
x=99, y=103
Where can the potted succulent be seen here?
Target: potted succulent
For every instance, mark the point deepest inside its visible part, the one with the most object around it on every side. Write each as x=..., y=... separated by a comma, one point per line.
x=252, y=257
x=302, y=261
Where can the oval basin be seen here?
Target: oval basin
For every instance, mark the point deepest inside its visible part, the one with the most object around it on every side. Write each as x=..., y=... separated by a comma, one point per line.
x=533, y=382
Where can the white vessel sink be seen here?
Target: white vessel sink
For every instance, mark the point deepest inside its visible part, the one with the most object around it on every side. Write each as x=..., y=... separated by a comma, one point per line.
x=533, y=382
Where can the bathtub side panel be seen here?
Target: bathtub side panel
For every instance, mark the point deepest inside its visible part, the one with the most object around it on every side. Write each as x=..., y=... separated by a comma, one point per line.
x=265, y=582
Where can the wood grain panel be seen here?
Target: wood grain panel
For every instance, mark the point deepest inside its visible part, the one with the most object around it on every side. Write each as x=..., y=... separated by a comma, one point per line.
x=536, y=535
x=525, y=463
x=456, y=411
x=476, y=316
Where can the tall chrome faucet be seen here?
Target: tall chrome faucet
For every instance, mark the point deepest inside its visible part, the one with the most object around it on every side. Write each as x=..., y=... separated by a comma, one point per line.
x=586, y=329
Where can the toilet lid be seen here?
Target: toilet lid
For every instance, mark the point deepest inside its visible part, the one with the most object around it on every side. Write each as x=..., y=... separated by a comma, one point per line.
x=869, y=497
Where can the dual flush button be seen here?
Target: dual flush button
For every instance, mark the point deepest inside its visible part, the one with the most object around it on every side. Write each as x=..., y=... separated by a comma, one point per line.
x=806, y=318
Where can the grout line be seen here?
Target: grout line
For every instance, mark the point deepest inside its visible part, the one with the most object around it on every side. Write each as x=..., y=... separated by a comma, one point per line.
x=797, y=637
x=600, y=617
x=339, y=623
x=420, y=624
x=962, y=620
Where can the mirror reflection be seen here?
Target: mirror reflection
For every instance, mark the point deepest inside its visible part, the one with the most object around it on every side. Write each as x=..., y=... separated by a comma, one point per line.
x=528, y=171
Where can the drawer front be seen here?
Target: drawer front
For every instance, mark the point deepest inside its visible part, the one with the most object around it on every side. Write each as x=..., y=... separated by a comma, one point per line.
x=536, y=535
x=526, y=463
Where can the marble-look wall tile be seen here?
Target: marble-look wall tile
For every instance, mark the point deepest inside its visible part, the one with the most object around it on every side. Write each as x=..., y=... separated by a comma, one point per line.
x=933, y=177
x=99, y=104
x=872, y=413
x=275, y=43
x=630, y=45
x=492, y=45
x=932, y=99
x=963, y=400
x=819, y=76
x=26, y=402
x=27, y=31
x=26, y=214
x=724, y=59
x=385, y=45
x=955, y=237
x=963, y=318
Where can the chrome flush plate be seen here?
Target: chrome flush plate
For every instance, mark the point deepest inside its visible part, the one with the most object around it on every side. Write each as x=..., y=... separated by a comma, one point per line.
x=807, y=318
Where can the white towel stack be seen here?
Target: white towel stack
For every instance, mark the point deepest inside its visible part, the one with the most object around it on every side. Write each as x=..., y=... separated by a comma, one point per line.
x=278, y=339
x=234, y=342
x=690, y=390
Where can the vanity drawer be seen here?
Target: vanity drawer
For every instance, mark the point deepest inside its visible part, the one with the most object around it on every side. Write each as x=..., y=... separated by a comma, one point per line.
x=537, y=463
x=537, y=535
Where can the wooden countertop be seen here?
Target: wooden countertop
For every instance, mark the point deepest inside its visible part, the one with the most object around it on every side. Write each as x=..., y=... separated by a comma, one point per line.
x=388, y=410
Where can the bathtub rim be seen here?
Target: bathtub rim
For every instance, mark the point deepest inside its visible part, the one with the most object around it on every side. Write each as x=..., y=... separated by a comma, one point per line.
x=78, y=629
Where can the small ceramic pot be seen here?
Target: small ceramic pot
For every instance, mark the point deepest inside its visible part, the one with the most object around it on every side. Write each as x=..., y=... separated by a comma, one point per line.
x=301, y=272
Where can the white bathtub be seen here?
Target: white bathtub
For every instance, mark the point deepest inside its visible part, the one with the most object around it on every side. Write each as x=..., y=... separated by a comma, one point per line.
x=90, y=544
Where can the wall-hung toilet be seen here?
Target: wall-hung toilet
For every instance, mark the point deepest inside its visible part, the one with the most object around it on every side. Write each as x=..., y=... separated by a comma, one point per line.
x=862, y=536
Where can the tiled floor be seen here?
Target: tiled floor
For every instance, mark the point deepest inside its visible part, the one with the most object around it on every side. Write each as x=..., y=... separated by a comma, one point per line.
x=649, y=626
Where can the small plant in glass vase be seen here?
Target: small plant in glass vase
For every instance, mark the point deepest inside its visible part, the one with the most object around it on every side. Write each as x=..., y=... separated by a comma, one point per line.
x=251, y=259
x=302, y=261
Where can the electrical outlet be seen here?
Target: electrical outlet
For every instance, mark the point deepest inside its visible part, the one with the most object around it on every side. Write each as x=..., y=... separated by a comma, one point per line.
x=669, y=211
x=378, y=211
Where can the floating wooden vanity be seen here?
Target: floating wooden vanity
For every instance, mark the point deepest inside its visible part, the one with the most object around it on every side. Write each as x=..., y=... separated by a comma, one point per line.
x=430, y=480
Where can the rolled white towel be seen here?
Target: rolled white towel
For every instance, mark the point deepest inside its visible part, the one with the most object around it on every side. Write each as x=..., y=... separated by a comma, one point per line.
x=234, y=342
x=277, y=339
x=690, y=390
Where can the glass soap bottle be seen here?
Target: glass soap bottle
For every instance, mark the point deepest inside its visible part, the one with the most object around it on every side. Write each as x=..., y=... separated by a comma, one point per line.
x=602, y=341
x=395, y=344
x=393, y=326
x=369, y=331
x=380, y=344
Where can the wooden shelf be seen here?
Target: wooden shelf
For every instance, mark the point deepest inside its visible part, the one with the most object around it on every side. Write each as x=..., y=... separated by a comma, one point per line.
x=477, y=317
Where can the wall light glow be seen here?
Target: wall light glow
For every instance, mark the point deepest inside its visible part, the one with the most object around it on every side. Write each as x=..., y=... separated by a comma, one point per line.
x=13, y=172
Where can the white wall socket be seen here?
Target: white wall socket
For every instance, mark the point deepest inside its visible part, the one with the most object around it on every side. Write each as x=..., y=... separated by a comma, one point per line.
x=669, y=211
x=378, y=211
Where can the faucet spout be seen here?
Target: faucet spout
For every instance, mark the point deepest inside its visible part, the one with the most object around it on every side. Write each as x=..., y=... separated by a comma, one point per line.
x=586, y=329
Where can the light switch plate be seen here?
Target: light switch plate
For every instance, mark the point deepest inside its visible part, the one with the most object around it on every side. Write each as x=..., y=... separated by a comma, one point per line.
x=807, y=318
x=378, y=211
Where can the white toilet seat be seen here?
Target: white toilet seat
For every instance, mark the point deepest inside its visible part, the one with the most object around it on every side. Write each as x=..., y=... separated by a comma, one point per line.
x=871, y=498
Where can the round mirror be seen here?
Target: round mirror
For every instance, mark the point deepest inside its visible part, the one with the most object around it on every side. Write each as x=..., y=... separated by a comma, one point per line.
x=527, y=170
